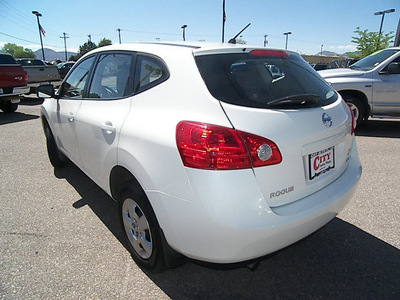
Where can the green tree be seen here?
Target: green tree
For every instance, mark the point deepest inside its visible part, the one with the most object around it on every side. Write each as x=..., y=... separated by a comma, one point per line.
x=83, y=49
x=104, y=42
x=240, y=41
x=18, y=51
x=369, y=42
x=88, y=46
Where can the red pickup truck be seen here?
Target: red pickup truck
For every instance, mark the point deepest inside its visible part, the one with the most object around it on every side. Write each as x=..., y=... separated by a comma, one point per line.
x=13, y=79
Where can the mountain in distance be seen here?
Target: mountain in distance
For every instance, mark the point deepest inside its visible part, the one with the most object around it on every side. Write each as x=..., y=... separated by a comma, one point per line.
x=327, y=53
x=51, y=55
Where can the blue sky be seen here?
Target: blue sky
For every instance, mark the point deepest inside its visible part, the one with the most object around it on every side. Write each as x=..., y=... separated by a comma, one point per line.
x=312, y=22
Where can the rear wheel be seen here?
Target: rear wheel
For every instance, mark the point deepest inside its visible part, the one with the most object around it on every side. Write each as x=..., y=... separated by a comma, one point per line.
x=8, y=107
x=142, y=230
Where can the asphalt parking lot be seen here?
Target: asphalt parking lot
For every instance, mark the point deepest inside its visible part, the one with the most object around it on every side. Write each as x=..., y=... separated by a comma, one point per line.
x=60, y=237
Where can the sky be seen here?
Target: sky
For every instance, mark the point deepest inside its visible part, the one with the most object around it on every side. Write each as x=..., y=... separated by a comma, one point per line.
x=313, y=24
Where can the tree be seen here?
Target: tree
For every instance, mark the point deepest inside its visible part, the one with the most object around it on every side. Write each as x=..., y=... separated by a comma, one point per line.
x=240, y=41
x=89, y=46
x=18, y=51
x=104, y=42
x=369, y=42
x=83, y=49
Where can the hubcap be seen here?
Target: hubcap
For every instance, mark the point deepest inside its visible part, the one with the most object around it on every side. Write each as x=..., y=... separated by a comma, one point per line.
x=137, y=228
x=356, y=112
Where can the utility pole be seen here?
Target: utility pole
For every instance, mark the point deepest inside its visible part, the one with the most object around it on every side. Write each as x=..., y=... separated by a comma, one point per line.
x=119, y=34
x=41, y=30
x=265, y=40
x=65, y=37
x=90, y=37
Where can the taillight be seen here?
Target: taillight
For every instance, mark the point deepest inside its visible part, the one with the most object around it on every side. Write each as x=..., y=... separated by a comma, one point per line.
x=353, y=125
x=262, y=52
x=213, y=147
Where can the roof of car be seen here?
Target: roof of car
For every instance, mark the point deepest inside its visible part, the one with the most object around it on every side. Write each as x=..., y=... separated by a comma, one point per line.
x=174, y=47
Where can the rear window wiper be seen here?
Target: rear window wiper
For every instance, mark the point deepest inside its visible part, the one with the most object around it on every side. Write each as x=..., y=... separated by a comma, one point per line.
x=295, y=100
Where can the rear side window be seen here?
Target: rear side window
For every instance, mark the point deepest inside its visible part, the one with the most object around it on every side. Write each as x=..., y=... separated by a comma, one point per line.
x=254, y=80
x=150, y=71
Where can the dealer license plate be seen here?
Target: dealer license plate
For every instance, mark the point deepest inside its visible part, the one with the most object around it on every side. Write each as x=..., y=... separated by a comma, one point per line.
x=321, y=162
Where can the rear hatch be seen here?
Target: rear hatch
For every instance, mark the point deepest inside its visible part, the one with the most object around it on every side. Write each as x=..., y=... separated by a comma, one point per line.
x=277, y=95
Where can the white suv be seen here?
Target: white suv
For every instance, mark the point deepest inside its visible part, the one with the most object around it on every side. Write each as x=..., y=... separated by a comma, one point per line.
x=211, y=155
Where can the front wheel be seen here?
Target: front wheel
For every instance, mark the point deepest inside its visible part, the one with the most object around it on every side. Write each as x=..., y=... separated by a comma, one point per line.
x=142, y=231
x=357, y=108
x=56, y=157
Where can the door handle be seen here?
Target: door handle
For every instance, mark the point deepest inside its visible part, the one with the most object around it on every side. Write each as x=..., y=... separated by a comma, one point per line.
x=71, y=117
x=108, y=127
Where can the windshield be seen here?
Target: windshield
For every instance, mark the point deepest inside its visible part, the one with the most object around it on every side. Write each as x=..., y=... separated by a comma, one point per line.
x=263, y=81
x=374, y=59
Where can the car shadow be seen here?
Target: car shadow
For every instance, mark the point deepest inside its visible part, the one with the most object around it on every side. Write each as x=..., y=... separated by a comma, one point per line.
x=379, y=128
x=340, y=261
x=7, y=118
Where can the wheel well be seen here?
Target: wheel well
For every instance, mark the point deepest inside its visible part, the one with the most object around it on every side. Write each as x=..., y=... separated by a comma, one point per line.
x=360, y=96
x=46, y=126
x=119, y=177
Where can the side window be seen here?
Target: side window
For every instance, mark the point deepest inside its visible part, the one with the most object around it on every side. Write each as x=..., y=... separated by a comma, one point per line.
x=394, y=69
x=74, y=85
x=149, y=72
x=110, y=79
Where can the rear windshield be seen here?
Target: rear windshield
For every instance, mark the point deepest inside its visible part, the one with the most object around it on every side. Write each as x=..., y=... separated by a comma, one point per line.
x=30, y=62
x=7, y=60
x=250, y=80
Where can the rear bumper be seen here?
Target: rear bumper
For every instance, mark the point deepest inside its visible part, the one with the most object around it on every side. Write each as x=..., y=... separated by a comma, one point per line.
x=16, y=91
x=231, y=222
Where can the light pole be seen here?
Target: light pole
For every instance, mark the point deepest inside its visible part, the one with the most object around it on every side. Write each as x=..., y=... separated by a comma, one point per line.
x=40, y=30
x=119, y=34
x=378, y=13
x=183, y=31
x=287, y=35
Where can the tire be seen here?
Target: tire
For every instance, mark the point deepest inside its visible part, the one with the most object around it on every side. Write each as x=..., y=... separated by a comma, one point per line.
x=357, y=108
x=8, y=107
x=141, y=230
x=56, y=157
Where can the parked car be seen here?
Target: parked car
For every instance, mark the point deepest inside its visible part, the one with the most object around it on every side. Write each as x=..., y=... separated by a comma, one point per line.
x=209, y=156
x=371, y=86
x=13, y=80
x=63, y=68
x=341, y=63
x=319, y=66
x=38, y=72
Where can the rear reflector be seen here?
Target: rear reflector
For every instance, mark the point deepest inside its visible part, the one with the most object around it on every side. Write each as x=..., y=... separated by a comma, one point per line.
x=213, y=147
x=353, y=121
x=278, y=53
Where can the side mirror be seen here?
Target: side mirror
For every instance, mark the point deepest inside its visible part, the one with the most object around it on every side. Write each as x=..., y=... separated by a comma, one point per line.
x=393, y=68
x=45, y=91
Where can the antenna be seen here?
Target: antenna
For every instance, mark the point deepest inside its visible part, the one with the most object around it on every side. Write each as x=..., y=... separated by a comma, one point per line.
x=233, y=40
